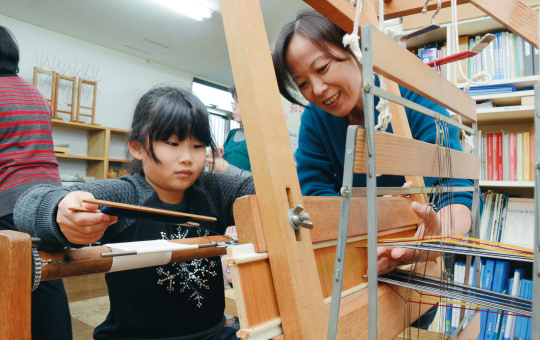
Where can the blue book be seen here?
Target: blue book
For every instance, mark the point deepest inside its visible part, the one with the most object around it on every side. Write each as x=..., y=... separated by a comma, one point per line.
x=527, y=321
x=500, y=278
x=487, y=283
x=520, y=330
x=511, y=319
x=503, y=325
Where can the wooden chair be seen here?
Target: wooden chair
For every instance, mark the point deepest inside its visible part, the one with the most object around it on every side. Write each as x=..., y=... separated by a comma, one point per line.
x=92, y=108
x=54, y=80
x=73, y=81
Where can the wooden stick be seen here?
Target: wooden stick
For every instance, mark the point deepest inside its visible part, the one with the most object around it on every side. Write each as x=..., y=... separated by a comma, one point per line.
x=274, y=173
x=515, y=15
x=402, y=156
x=399, y=8
x=84, y=261
x=149, y=210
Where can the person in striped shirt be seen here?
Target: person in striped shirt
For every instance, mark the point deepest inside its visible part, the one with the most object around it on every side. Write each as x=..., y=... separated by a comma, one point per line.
x=27, y=159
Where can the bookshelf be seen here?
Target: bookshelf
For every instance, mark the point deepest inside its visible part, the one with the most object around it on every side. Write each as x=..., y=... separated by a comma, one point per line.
x=508, y=113
x=97, y=155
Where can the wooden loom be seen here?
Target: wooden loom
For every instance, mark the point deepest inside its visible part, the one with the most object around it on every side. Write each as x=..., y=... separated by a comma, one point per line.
x=282, y=282
x=276, y=277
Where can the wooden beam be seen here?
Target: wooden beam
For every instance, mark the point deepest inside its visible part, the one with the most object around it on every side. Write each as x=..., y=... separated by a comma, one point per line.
x=15, y=285
x=399, y=8
x=515, y=15
x=293, y=261
x=398, y=155
x=324, y=213
x=341, y=13
x=417, y=76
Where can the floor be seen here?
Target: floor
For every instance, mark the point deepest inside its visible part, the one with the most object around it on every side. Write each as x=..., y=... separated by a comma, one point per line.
x=88, y=303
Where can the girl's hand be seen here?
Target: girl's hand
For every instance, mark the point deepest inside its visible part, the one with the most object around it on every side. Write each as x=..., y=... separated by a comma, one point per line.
x=389, y=258
x=81, y=227
x=218, y=162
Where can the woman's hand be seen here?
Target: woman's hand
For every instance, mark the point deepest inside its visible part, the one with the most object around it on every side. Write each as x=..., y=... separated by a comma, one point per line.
x=391, y=257
x=218, y=163
x=82, y=227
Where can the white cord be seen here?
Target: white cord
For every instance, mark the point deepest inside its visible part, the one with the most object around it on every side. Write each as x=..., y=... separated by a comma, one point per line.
x=352, y=40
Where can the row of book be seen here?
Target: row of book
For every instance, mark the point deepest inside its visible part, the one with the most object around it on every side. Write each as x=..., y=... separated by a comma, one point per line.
x=507, y=56
x=498, y=276
x=507, y=156
x=508, y=220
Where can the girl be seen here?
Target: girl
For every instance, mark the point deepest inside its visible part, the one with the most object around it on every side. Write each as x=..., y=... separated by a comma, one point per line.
x=309, y=56
x=233, y=158
x=168, y=140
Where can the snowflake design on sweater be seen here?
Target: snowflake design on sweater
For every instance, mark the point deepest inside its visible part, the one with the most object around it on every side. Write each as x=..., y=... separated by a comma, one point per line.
x=190, y=276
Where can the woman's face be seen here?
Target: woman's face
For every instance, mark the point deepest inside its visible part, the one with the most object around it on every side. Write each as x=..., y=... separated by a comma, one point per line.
x=332, y=85
x=236, y=112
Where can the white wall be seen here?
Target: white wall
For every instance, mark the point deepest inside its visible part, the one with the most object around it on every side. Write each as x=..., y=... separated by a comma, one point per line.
x=122, y=80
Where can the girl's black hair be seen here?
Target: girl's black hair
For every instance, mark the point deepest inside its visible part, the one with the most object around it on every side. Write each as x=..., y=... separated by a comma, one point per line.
x=9, y=52
x=319, y=30
x=166, y=111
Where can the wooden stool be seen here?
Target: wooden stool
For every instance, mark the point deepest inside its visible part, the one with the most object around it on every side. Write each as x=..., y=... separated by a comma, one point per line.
x=71, y=113
x=52, y=100
x=91, y=108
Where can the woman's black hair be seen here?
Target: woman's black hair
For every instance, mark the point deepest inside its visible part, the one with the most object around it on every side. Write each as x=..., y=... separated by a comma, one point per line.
x=166, y=111
x=232, y=90
x=320, y=31
x=9, y=52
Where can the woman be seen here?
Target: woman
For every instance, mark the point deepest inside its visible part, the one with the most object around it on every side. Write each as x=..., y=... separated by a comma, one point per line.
x=309, y=56
x=232, y=158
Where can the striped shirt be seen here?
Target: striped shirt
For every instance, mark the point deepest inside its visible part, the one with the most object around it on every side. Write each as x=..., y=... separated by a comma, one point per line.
x=26, y=146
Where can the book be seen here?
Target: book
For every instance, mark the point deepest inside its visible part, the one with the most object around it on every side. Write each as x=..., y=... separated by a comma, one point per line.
x=489, y=157
x=511, y=319
x=506, y=156
x=528, y=63
x=519, y=222
x=487, y=283
x=519, y=156
x=64, y=148
x=532, y=156
x=500, y=278
x=499, y=158
x=463, y=43
x=526, y=155
x=428, y=54
x=527, y=100
x=513, y=160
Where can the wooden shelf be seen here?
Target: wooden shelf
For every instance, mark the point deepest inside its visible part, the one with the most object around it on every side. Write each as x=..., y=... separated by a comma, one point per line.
x=99, y=138
x=505, y=99
x=506, y=113
x=79, y=126
x=87, y=158
x=119, y=131
x=507, y=184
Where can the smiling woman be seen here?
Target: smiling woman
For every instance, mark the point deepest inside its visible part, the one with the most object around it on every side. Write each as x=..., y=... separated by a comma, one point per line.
x=309, y=55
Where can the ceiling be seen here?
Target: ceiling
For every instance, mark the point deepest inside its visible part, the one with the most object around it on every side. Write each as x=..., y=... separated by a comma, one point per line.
x=146, y=30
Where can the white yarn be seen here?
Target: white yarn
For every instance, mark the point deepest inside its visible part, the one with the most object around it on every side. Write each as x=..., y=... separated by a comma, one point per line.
x=352, y=40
